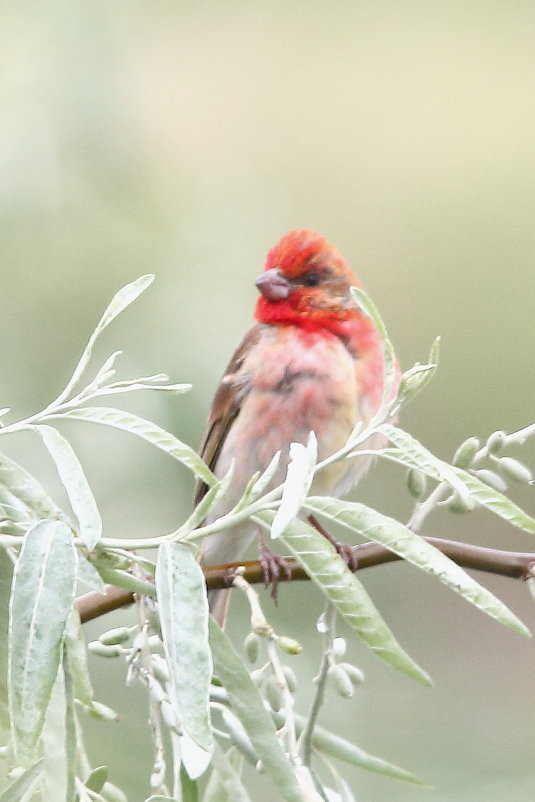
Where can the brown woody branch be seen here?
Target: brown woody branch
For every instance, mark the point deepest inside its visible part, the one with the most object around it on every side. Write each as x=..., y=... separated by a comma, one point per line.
x=517, y=565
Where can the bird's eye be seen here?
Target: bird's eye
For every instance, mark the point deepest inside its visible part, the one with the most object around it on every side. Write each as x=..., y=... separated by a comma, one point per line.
x=311, y=279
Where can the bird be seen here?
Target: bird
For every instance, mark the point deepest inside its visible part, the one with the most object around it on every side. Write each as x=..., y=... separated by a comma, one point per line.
x=312, y=362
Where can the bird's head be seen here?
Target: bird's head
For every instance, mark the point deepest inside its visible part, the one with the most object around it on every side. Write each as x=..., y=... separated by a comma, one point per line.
x=306, y=282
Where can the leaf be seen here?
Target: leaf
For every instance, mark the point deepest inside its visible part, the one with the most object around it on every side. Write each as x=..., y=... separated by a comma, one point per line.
x=6, y=575
x=413, y=454
x=77, y=658
x=88, y=574
x=341, y=749
x=16, y=790
x=123, y=298
x=414, y=380
x=128, y=386
x=59, y=743
x=390, y=370
x=30, y=495
x=248, y=706
x=212, y=497
x=496, y=502
x=122, y=579
x=299, y=476
x=402, y=541
x=42, y=597
x=183, y=610
x=327, y=569
x=147, y=430
x=75, y=483
x=246, y=702
x=231, y=788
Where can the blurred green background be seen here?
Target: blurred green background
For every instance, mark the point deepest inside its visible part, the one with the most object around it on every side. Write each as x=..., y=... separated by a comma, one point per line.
x=183, y=139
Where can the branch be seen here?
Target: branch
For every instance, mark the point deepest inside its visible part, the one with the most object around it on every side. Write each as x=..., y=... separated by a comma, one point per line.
x=514, y=564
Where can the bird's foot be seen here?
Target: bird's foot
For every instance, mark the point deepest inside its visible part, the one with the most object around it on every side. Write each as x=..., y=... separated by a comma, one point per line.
x=345, y=550
x=273, y=566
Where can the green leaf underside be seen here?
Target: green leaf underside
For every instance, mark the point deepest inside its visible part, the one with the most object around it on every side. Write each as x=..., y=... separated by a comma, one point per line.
x=396, y=537
x=75, y=483
x=327, y=569
x=183, y=608
x=153, y=434
x=247, y=704
x=41, y=599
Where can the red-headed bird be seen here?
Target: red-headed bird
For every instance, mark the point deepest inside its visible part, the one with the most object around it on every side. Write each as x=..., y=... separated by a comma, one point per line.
x=313, y=362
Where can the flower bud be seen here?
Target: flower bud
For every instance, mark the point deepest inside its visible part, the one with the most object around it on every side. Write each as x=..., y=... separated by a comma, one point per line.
x=251, y=646
x=341, y=682
x=115, y=636
x=513, y=469
x=491, y=479
x=273, y=694
x=97, y=778
x=102, y=650
x=111, y=793
x=98, y=710
x=458, y=504
x=339, y=647
x=289, y=645
x=291, y=679
x=416, y=483
x=464, y=456
x=355, y=674
x=496, y=442
x=160, y=669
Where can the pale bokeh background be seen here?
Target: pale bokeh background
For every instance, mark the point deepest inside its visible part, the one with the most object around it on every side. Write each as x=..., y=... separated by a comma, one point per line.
x=183, y=139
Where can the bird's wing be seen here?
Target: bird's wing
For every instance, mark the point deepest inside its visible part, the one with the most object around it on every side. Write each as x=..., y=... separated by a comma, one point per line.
x=233, y=389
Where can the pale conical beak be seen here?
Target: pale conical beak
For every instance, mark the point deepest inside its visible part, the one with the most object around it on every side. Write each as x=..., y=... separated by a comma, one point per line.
x=272, y=285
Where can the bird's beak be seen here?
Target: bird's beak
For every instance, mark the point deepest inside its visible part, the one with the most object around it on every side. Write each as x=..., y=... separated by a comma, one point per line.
x=272, y=285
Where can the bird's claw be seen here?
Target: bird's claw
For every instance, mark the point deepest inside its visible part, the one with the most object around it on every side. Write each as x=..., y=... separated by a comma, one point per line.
x=273, y=565
x=347, y=553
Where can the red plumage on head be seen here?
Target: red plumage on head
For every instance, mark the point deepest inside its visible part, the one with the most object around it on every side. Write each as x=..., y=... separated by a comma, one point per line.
x=300, y=250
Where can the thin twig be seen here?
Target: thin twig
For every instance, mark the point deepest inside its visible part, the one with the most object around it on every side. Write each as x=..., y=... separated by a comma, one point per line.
x=516, y=565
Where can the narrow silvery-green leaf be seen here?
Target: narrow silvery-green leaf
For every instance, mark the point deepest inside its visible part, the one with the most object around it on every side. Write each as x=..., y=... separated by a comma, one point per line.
x=88, y=574
x=396, y=537
x=124, y=387
x=41, y=599
x=414, y=455
x=59, y=743
x=122, y=579
x=75, y=483
x=246, y=702
x=230, y=786
x=496, y=502
x=24, y=487
x=183, y=610
x=212, y=497
x=6, y=574
x=327, y=569
x=147, y=430
x=123, y=298
x=299, y=477
x=77, y=659
x=341, y=749
x=389, y=360
x=16, y=790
